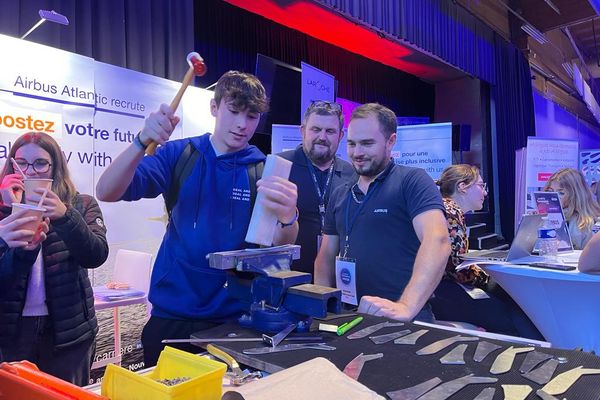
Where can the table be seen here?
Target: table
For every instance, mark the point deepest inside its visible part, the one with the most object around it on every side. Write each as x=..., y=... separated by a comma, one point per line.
x=103, y=305
x=563, y=305
x=400, y=367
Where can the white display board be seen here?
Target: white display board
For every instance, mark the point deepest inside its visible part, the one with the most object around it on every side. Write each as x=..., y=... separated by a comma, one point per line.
x=316, y=85
x=545, y=157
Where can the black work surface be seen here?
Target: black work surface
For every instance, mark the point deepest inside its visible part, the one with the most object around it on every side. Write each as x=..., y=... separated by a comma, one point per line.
x=400, y=367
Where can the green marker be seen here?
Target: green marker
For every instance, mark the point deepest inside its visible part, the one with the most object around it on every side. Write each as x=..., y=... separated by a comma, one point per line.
x=348, y=325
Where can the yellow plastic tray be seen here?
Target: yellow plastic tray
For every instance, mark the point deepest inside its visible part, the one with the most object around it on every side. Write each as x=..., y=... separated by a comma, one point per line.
x=205, y=383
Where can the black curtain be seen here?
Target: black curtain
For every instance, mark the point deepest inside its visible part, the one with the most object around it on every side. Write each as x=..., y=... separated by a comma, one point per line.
x=229, y=38
x=151, y=36
x=513, y=97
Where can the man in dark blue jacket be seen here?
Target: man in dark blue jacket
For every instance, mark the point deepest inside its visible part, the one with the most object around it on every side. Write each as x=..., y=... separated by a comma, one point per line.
x=317, y=172
x=212, y=211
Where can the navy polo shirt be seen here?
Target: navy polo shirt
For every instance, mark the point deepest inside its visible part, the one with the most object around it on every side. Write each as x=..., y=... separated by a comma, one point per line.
x=309, y=220
x=382, y=239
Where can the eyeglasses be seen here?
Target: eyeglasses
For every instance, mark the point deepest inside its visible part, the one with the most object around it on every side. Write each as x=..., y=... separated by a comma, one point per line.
x=328, y=105
x=40, y=165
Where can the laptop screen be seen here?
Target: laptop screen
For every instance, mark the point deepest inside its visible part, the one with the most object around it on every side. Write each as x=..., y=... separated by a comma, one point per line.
x=549, y=203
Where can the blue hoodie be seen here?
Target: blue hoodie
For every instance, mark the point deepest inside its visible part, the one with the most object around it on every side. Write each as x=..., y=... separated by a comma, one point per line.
x=212, y=214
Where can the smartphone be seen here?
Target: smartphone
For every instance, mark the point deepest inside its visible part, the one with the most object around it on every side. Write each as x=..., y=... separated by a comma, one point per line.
x=560, y=267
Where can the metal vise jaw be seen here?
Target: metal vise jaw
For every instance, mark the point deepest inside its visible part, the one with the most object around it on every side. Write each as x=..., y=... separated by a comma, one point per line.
x=277, y=296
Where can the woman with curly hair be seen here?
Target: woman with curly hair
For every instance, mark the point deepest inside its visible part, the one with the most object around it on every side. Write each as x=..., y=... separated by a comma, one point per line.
x=577, y=202
x=470, y=295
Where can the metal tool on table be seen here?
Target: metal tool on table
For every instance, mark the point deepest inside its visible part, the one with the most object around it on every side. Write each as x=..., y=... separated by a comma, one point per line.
x=194, y=339
x=532, y=359
x=372, y=329
x=545, y=396
x=411, y=338
x=456, y=356
x=355, y=366
x=516, y=392
x=414, y=392
x=277, y=296
x=238, y=377
x=447, y=389
x=486, y=394
x=276, y=339
x=442, y=344
x=562, y=382
x=381, y=339
x=503, y=363
x=289, y=347
x=543, y=373
x=484, y=349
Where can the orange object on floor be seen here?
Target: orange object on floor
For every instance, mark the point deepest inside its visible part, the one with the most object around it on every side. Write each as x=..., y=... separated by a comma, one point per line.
x=23, y=380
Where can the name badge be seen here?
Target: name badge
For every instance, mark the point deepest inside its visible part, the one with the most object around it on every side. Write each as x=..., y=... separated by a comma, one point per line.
x=345, y=279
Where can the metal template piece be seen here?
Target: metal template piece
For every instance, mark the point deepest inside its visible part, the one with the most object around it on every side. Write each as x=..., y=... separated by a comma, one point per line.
x=288, y=347
x=456, y=356
x=276, y=339
x=355, y=366
x=372, y=329
x=381, y=339
x=545, y=396
x=562, y=382
x=483, y=350
x=414, y=392
x=503, y=363
x=516, y=392
x=442, y=344
x=543, y=374
x=532, y=359
x=411, y=338
x=486, y=394
x=447, y=389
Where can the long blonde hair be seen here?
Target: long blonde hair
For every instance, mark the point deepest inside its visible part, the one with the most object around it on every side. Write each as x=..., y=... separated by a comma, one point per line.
x=577, y=201
x=62, y=184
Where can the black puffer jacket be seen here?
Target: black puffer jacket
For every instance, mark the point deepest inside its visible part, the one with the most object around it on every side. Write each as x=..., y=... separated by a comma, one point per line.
x=75, y=242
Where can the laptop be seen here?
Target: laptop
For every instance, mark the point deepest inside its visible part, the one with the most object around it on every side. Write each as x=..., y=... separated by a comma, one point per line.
x=549, y=203
x=521, y=246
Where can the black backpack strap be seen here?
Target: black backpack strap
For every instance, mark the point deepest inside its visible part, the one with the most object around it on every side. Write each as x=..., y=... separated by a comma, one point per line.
x=183, y=169
x=254, y=174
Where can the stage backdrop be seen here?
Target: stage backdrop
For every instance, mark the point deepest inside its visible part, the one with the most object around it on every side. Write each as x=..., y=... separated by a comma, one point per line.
x=93, y=110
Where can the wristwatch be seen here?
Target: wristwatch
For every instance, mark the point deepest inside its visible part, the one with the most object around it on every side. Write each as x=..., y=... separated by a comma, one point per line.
x=138, y=142
x=283, y=224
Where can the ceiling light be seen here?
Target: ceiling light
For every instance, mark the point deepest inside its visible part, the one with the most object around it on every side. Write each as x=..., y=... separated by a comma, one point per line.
x=46, y=15
x=534, y=33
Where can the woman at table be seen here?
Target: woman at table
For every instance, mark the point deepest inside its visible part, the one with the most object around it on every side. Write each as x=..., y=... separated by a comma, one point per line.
x=577, y=202
x=46, y=301
x=470, y=295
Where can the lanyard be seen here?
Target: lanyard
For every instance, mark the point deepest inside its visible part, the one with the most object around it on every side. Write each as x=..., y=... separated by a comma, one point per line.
x=350, y=221
x=320, y=195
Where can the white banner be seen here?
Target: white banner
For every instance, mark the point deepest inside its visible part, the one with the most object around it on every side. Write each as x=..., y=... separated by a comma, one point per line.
x=545, y=157
x=316, y=85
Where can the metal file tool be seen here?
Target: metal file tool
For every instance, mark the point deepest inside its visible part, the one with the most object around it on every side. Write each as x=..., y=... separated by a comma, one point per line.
x=381, y=339
x=411, y=338
x=354, y=367
x=442, y=344
x=289, y=347
x=483, y=350
x=543, y=374
x=456, y=356
x=414, y=392
x=372, y=329
x=447, y=389
x=503, y=363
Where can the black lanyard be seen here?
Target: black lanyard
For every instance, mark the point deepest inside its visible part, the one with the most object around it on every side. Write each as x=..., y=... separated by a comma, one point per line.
x=350, y=222
x=321, y=195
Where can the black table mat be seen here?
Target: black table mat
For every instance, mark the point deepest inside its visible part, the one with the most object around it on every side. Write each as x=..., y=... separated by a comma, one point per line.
x=400, y=367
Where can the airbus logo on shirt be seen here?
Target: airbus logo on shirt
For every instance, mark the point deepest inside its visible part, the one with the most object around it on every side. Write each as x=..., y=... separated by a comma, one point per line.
x=380, y=210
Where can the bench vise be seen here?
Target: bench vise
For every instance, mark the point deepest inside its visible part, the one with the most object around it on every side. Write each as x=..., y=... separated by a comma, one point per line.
x=277, y=296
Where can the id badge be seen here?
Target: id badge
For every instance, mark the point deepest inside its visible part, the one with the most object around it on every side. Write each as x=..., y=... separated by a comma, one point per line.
x=345, y=279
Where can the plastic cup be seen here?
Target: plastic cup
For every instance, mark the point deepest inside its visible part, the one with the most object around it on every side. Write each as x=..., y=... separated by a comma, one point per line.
x=31, y=211
x=35, y=183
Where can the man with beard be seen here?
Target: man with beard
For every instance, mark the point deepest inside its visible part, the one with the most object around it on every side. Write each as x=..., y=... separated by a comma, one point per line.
x=316, y=171
x=390, y=227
